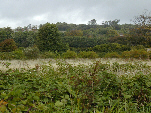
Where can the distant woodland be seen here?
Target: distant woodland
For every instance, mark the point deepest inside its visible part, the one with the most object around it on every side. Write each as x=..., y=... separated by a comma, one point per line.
x=62, y=37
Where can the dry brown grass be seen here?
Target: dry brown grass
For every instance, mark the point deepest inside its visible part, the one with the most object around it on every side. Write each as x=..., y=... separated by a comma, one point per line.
x=28, y=64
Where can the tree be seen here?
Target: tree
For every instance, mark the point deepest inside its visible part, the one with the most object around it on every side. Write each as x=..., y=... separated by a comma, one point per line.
x=141, y=34
x=8, y=45
x=62, y=26
x=24, y=39
x=92, y=22
x=31, y=37
x=112, y=33
x=74, y=33
x=5, y=33
x=113, y=23
x=48, y=38
x=20, y=38
x=40, y=26
x=8, y=31
x=142, y=20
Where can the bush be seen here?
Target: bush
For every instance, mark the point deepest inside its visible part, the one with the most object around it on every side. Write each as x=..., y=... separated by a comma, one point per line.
x=138, y=47
x=18, y=54
x=112, y=55
x=31, y=52
x=126, y=54
x=69, y=54
x=143, y=54
x=6, y=56
x=138, y=54
x=149, y=54
x=47, y=54
x=8, y=45
x=88, y=54
x=101, y=54
x=111, y=47
x=135, y=54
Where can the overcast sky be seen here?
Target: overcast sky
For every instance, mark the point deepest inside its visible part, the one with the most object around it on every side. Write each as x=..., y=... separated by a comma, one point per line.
x=14, y=13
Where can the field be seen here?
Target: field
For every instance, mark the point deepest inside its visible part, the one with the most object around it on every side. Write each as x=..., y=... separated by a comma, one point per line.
x=29, y=64
x=75, y=85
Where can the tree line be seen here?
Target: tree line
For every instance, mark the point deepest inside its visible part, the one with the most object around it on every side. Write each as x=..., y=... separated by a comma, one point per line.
x=61, y=37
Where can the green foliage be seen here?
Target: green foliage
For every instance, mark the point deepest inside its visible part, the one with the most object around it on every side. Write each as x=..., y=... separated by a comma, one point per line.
x=5, y=33
x=69, y=54
x=149, y=54
x=140, y=34
x=31, y=38
x=101, y=54
x=111, y=47
x=74, y=33
x=138, y=47
x=24, y=39
x=126, y=54
x=118, y=39
x=8, y=45
x=112, y=33
x=139, y=54
x=87, y=54
x=6, y=56
x=18, y=54
x=47, y=54
x=114, y=24
x=48, y=38
x=112, y=55
x=102, y=31
x=31, y=52
x=82, y=42
x=94, y=88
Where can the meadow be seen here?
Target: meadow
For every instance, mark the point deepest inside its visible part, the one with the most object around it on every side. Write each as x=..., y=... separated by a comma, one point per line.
x=75, y=85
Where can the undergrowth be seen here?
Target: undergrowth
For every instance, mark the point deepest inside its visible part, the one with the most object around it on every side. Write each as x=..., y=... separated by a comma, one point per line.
x=100, y=88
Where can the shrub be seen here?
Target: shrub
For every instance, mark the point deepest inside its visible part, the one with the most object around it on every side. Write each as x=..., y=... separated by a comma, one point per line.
x=18, y=54
x=47, y=54
x=31, y=52
x=8, y=45
x=112, y=55
x=111, y=47
x=6, y=56
x=139, y=54
x=135, y=54
x=69, y=54
x=101, y=54
x=149, y=54
x=143, y=54
x=88, y=54
x=138, y=47
x=126, y=54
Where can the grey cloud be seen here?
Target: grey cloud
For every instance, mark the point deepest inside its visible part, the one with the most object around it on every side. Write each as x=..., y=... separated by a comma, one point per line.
x=23, y=12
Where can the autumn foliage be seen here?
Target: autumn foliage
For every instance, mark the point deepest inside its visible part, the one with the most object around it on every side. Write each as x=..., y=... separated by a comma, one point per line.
x=8, y=45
